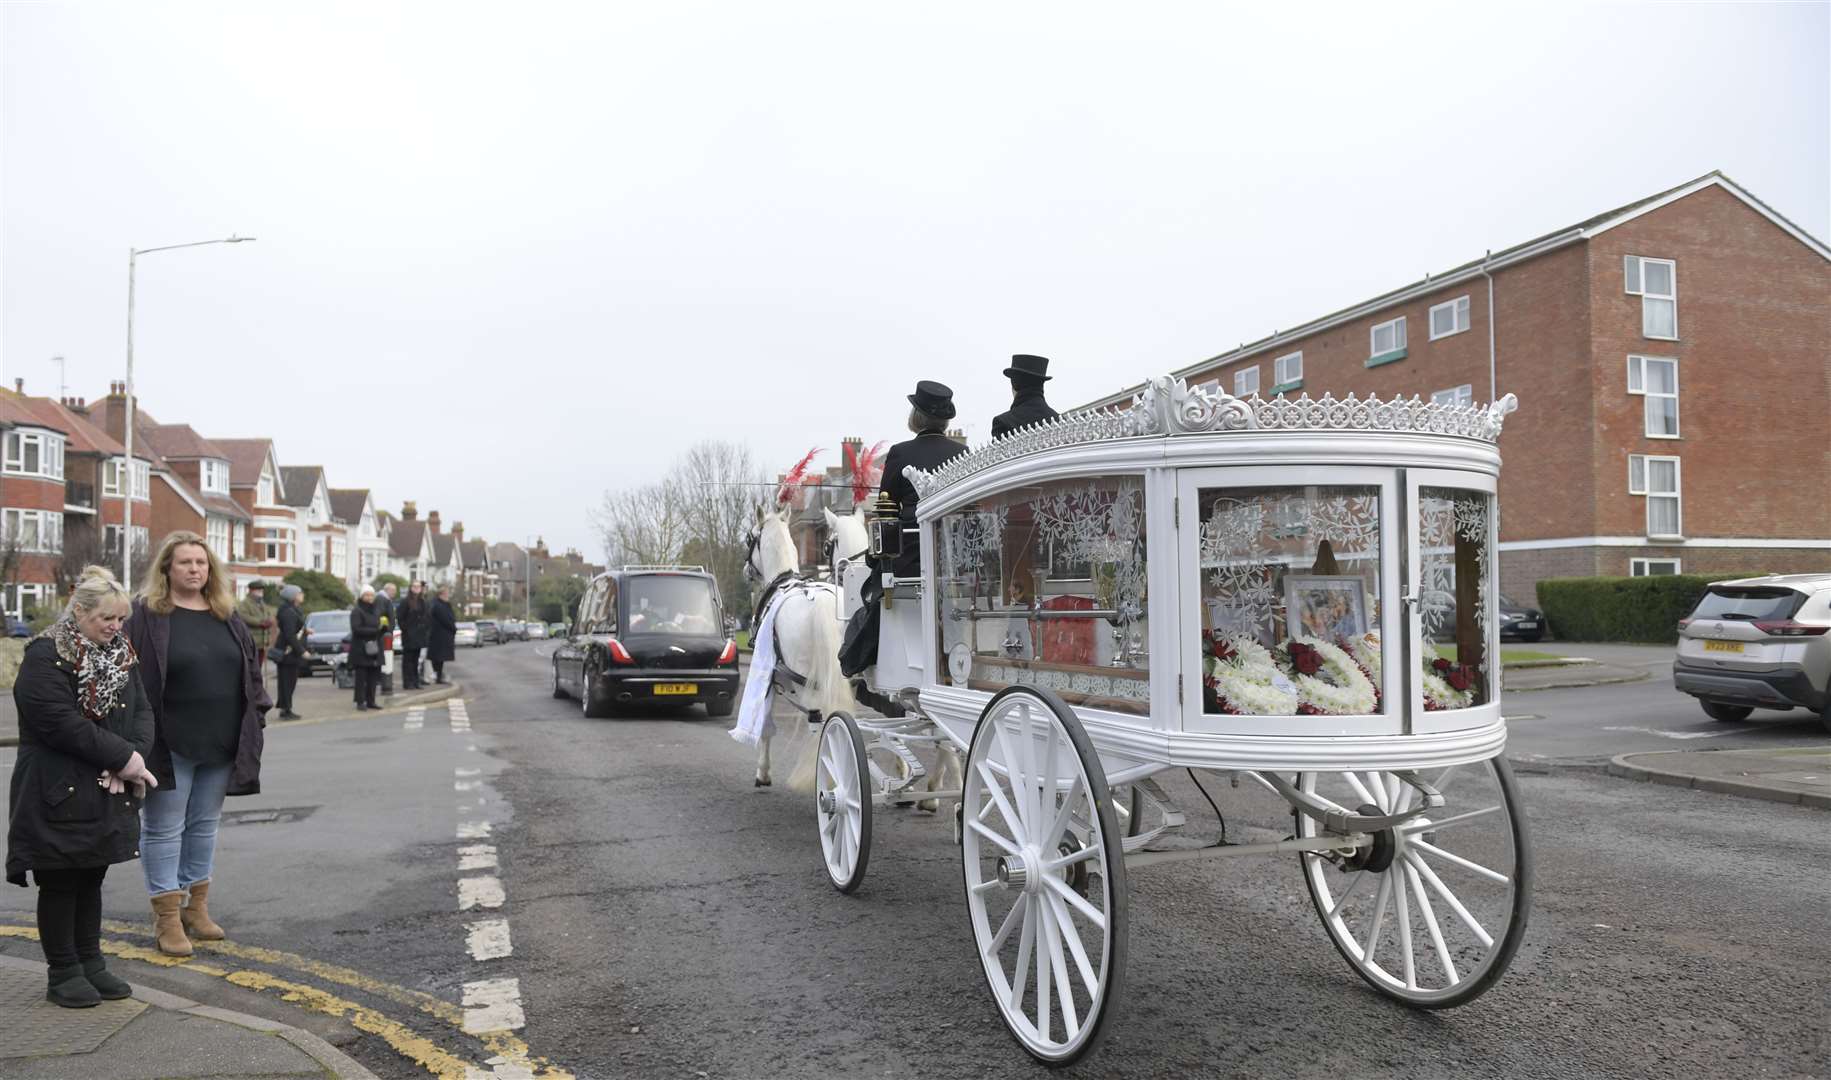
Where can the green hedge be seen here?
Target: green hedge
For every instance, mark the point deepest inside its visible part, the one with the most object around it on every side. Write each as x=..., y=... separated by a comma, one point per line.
x=1645, y=609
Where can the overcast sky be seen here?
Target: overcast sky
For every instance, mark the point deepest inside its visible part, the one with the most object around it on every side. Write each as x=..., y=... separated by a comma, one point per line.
x=511, y=254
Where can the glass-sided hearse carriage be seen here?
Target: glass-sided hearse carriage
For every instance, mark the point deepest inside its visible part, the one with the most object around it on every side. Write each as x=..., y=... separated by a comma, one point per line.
x=1298, y=593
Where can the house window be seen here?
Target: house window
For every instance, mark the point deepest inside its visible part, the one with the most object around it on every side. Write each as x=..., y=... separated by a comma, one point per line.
x=111, y=478
x=216, y=533
x=273, y=544
x=215, y=476
x=237, y=548
x=1653, y=567
x=339, y=564
x=264, y=496
x=1288, y=371
x=1657, y=478
x=1246, y=381
x=1655, y=281
x=33, y=530
x=111, y=539
x=30, y=596
x=1387, y=338
x=369, y=572
x=1656, y=379
x=1449, y=317
x=1455, y=395
x=35, y=453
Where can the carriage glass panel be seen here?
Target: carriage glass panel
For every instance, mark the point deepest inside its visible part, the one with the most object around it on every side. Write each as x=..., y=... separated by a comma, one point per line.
x=1044, y=585
x=1290, y=600
x=1454, y=587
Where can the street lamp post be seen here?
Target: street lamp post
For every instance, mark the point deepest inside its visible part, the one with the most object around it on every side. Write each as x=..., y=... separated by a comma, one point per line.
x=127, y=466
x=527, y=594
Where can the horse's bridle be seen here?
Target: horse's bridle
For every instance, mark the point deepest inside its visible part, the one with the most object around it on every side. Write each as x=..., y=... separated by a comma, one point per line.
x=751, y=540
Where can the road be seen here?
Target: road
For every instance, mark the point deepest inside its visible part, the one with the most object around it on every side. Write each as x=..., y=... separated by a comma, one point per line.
x=646, y=912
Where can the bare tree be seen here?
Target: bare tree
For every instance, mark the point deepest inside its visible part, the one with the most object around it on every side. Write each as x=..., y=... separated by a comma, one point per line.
x=643, y=525
x=697, y=512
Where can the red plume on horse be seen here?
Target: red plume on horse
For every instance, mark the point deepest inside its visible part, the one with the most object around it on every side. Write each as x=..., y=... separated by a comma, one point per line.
x=795, y=478
x=867, y=470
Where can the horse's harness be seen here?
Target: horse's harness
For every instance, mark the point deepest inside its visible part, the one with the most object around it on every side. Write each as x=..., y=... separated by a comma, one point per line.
x=787, y=580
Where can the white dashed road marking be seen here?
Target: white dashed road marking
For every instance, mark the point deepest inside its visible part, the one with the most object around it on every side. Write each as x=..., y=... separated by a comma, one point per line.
x=489, y=1004
x=489, y=939
x=483, y=892
x=493, y=1005
x=473, y=830
x=416, y=718
x=1672, y=734
x=477, y=857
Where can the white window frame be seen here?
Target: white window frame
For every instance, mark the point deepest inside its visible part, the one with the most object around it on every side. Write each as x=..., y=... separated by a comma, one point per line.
x=1459, y=317
x=264, y=490
x=141, y=474
x=216, y=534
x=214, y=477
x=1455, y=395
x=42, y=593
x=340, y=562
x=47, y=533
x=50, y=454
x=1281, y=375
x=141, y=535
x=1643, y=567
x=276, y=548
x=1243, y=386
x=1397, y=326
x=1640, y=463
x=238, y=547
x=1634, y=279
x=1637, y=386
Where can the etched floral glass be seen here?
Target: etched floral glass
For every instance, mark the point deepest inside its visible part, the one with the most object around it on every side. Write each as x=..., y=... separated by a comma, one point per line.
x=1453, y=590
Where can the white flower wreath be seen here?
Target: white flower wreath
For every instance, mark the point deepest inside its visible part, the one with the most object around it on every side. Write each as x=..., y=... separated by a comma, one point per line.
x=1249, y=681
x=1438, y=693
x=1338, y=688
x=1366, y=650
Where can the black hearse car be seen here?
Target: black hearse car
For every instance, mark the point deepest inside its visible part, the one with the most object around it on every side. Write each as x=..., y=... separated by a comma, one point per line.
x=648, y=636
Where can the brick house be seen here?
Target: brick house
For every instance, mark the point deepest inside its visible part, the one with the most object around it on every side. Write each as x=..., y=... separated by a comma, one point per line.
x=410, y=553
x=1672, y=358
x=324, y=543
x=274, y=544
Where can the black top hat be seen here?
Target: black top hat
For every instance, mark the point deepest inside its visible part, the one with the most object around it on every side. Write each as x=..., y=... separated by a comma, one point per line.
x=933, y=398
x=1035, y=367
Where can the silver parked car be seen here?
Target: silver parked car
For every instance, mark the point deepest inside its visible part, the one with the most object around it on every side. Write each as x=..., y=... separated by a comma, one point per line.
x=1759, y=643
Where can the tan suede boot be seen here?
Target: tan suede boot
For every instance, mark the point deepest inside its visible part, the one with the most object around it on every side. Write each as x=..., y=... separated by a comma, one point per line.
x=196, y=915
x=168, y=930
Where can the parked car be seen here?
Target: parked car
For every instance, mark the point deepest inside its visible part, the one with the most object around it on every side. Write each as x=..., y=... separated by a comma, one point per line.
x=1519, y=621
x=466, y=635
x=514, y=630
x=329, y=637
x=646, y=638
x=534, y=631
x=16, y=627
x=1758, y=643
x=489, y=632
x=559, y=630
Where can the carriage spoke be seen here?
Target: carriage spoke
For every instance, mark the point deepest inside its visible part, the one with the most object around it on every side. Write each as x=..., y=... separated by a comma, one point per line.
x=1431, y=926
x=1088, y=911
x=1045, y=783
x=1062, y=862
x=1472, y=867
x=1404, y=918
x=1342, y=899
x=1021, y=970
x=1058, y=966
x=1004, y=928
x=1060, y=824
x=1004, y=845
x=1027, y=768
x=1458, y=819
x=1065, y=926
x=1012, y=821
x=1468, y=920
x=1360, y=788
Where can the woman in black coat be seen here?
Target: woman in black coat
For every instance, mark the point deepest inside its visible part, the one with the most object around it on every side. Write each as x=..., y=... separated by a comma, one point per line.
x=413, y=617
x=85, y=730
x=365, y=648
x=444, y=638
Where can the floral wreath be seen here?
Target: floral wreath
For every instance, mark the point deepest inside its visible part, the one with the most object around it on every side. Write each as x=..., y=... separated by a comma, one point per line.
x=1447, y=685
x=1240, y=678
x=1330, y=681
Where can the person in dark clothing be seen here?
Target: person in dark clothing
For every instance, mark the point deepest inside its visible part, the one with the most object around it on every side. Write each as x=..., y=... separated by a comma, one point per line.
x=1027, y=375
x=932, y=406
x=85, y=730
x=413, y=622
x=289, y=646
x=209, y=705
x=442, y=639
x=384, y=606
x=365, y=647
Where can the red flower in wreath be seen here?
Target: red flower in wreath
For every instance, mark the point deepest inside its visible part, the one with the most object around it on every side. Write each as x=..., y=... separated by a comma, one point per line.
x=1459, y=679
x=1306, y=660
x=1440, y=664
x=1222, y=650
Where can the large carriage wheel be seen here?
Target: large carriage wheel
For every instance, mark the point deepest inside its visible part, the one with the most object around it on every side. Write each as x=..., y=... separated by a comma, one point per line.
x=842, y=801
x=1044, y=874
x=1432, y=912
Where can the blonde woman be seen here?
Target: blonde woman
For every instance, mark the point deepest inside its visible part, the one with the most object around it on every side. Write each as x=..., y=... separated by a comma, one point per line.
x=200, y=670
x=85, y=729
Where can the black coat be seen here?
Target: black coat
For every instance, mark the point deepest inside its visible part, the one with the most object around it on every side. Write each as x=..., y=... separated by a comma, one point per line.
x=61, y=819
x=1027, y=407
x=365, y=627
x=444, y=635
x=926, y=451
x=414, y=622
x=289, y=647
x=151, y=633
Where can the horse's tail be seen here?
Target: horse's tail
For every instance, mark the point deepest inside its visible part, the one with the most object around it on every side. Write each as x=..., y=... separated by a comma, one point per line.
x=828, y=688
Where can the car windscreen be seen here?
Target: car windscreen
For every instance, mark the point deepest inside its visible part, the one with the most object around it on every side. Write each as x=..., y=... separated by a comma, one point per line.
x=1748, y=603
x=328, y=620
x=467, y=626
x=668, y=604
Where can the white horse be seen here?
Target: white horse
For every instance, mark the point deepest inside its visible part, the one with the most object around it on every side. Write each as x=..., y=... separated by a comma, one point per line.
x=809, y=627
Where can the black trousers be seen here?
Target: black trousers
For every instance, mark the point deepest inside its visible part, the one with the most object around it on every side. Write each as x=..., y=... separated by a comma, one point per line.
x=410, y=669
x=368, y=679
x=438, y=669
x=289, y=680
x=70, y=914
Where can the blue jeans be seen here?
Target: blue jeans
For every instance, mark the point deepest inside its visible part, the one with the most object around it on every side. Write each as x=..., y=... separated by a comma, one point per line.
x=178, y=826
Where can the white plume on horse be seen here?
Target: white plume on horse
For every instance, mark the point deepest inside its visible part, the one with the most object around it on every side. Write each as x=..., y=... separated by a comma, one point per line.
x=809, y=628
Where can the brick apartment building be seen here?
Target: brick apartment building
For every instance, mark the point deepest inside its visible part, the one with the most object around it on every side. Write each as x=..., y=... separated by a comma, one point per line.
x=1672, y=359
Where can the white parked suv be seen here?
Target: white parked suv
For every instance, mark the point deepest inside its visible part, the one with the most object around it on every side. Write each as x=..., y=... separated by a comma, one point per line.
x=1758, y=643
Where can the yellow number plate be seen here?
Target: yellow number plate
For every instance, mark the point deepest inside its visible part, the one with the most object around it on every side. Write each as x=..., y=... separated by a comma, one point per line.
x=676, y=688
x=1723, y=646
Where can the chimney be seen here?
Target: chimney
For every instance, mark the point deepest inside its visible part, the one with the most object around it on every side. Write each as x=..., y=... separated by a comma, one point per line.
x=457, y=532
x=845, y=460
x=19, y=385
x=409, y=512
x=432, y=522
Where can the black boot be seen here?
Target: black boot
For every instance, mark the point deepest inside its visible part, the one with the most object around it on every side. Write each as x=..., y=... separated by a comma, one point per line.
x=111, y=986
x=67, y=986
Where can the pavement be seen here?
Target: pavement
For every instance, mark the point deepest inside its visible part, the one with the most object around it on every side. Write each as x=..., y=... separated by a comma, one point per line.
x=154, y=1034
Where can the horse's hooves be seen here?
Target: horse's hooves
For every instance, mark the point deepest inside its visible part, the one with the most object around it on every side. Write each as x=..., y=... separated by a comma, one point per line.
x=760, y=782
x=928, y=806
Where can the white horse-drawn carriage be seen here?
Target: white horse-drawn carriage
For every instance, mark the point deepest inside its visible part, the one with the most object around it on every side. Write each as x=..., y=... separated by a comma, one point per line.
x=1297, y=593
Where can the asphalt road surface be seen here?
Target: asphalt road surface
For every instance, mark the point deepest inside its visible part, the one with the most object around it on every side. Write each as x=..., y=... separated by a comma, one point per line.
x=654, y=915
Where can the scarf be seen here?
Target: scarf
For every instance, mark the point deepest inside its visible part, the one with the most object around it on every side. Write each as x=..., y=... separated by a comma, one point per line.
x=102, y=671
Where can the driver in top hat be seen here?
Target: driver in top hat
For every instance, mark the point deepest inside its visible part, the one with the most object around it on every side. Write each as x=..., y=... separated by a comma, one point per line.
x=1027, y=375
x=931, y=407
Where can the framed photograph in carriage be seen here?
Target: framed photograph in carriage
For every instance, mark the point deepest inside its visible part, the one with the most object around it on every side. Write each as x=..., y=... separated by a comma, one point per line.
x=1330, y=607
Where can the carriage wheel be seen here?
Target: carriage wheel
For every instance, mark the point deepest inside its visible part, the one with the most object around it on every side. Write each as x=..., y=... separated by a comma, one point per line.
x=1432, y=912
x=1044, y=874
x=842, y=801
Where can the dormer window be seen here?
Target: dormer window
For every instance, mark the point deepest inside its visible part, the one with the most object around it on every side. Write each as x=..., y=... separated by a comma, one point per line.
x=264, y=496
x=215, y=478
x=141, y=475
x=35, y=453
